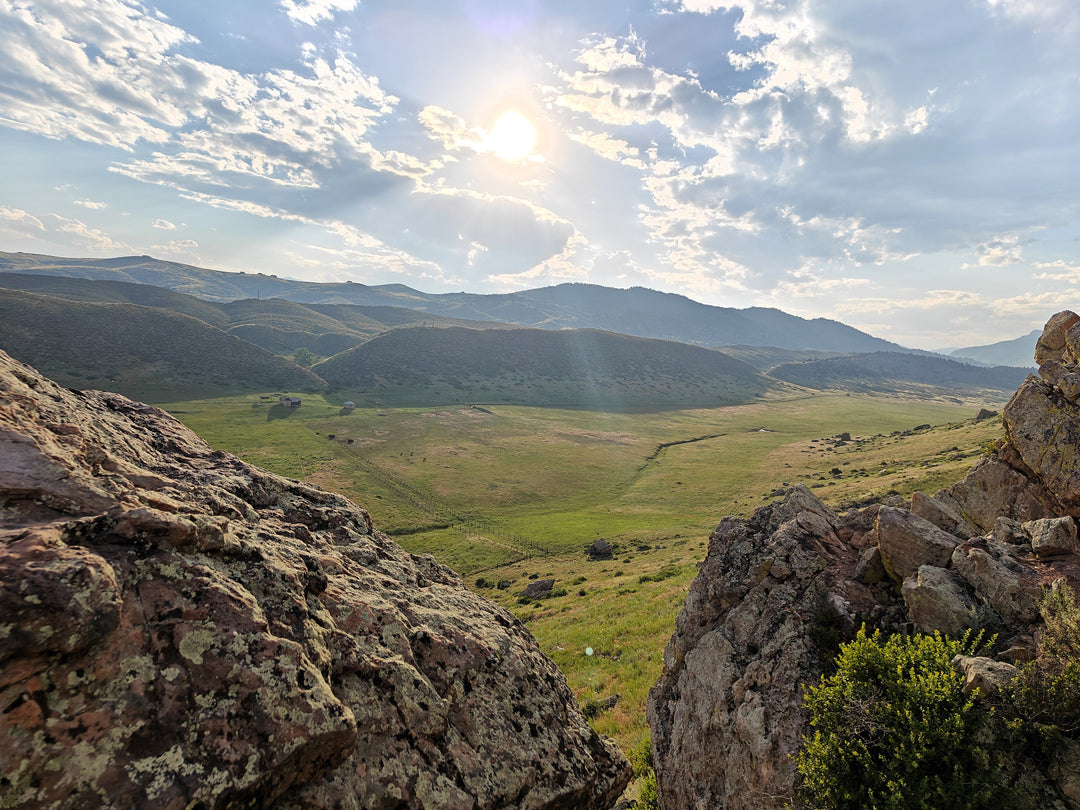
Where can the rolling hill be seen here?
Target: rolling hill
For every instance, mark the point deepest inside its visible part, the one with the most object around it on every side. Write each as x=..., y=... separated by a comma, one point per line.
x=277, y=325
x=891, y=372
x=569, y=368
x=141, y=351
x=636, y=311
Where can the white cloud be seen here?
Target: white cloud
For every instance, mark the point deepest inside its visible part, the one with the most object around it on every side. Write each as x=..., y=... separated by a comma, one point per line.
x=609, y=148
x=57, y=230
x=91, y=204
x=164, y=225
x=312, y=12
x=1058, y=270
x=15, y=220
x=1001, y=251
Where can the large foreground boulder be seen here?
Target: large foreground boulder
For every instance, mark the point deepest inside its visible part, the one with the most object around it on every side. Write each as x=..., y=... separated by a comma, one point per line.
x=777, y=591
x=179, y=629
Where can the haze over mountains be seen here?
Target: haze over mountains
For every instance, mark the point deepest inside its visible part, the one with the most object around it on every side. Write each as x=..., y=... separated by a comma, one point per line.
x=155, y=329
x=636, y=311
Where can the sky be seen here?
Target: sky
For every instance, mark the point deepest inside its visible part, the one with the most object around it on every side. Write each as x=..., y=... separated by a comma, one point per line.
x=908, y=167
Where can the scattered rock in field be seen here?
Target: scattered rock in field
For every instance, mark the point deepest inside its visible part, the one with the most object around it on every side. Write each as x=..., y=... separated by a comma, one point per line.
x=600, y=549
x=538, y=589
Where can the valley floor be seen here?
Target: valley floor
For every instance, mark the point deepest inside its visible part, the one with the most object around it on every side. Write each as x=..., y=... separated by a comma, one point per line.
x=509, y=495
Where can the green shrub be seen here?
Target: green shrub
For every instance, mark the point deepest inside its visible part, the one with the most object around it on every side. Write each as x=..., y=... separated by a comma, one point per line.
x=641, y=761
x=1048, y=689
x=893, y=730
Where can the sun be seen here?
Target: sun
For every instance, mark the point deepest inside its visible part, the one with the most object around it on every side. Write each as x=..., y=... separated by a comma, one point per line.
x=512, y=138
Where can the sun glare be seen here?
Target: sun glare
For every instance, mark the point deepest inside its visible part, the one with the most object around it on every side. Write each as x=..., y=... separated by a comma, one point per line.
x=512, y=138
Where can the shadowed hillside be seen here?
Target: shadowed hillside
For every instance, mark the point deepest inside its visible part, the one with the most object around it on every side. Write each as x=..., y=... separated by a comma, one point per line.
x=137, y=350
x=574, y=368
x=276, y=324
x=891, y=372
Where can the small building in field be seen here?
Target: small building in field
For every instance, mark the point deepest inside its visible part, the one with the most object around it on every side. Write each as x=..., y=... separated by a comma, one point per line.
x=289, y=402
x=349, y=405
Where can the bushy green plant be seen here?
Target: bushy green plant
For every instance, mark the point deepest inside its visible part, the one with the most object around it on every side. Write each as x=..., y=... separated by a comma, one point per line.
x=891, y=729
x=641, y=761
x=1047, y=692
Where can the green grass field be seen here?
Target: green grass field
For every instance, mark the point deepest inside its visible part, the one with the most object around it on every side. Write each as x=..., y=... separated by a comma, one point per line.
x=505, y=494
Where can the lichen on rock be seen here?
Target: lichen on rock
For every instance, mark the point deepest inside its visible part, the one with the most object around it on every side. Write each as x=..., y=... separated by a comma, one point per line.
x=726, y=713
x=180, y=629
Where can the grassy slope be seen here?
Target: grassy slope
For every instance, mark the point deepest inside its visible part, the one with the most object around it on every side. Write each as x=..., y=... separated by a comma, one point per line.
x=144, y=352
x=894, y=372
x=573, y=368
x=522, y=491
x=764, y=358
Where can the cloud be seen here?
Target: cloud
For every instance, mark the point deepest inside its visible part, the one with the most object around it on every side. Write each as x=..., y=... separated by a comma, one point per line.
x=1058, y=270
x=164, y=225
x=96, y=206
x=17, y=221
x=185, y=249
x=57, y=230
x=312, y=12
x=1001, y=251
x=609, y=148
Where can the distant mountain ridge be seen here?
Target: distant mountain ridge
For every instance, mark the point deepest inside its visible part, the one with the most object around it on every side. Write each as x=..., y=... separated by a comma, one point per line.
x=636, y=311
x=1016, y=352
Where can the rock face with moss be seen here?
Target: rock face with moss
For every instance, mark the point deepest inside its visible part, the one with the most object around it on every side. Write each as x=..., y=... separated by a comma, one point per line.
x=778, y=591
x=180, y=629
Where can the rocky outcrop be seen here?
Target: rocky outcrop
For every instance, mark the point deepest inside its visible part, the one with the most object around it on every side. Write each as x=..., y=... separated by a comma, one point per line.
x=727, y=713
x=180, y=629
x=778, y=590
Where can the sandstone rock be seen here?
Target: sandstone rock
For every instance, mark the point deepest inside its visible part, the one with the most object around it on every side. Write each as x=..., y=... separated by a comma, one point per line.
x=1069, y=386
x=179, y=629
x=1072, y=343
x=600, y=549
x=993, y=489
x=726, y=714
x=1002, y=581
x=1065, y=769
x=1007, y=530
x=984, y=414
x=538, y=589
x=1044, y=428
x=869, y=570
x=985, y=674
x=1053, y=536
x=907, y=542
x=942, y=515
x=1051, y=344
x=936, y=599
x=1052, y=371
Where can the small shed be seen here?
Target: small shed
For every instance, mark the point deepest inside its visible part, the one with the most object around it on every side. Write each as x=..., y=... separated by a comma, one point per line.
x=349, y=405
x=289, y=402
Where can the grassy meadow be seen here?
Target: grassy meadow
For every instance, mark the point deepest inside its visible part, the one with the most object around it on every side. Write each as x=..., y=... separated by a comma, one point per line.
x=507, y=494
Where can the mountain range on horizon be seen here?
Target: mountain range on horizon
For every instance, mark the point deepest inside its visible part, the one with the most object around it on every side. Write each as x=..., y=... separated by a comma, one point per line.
x=574, y=345
x=636, y=311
